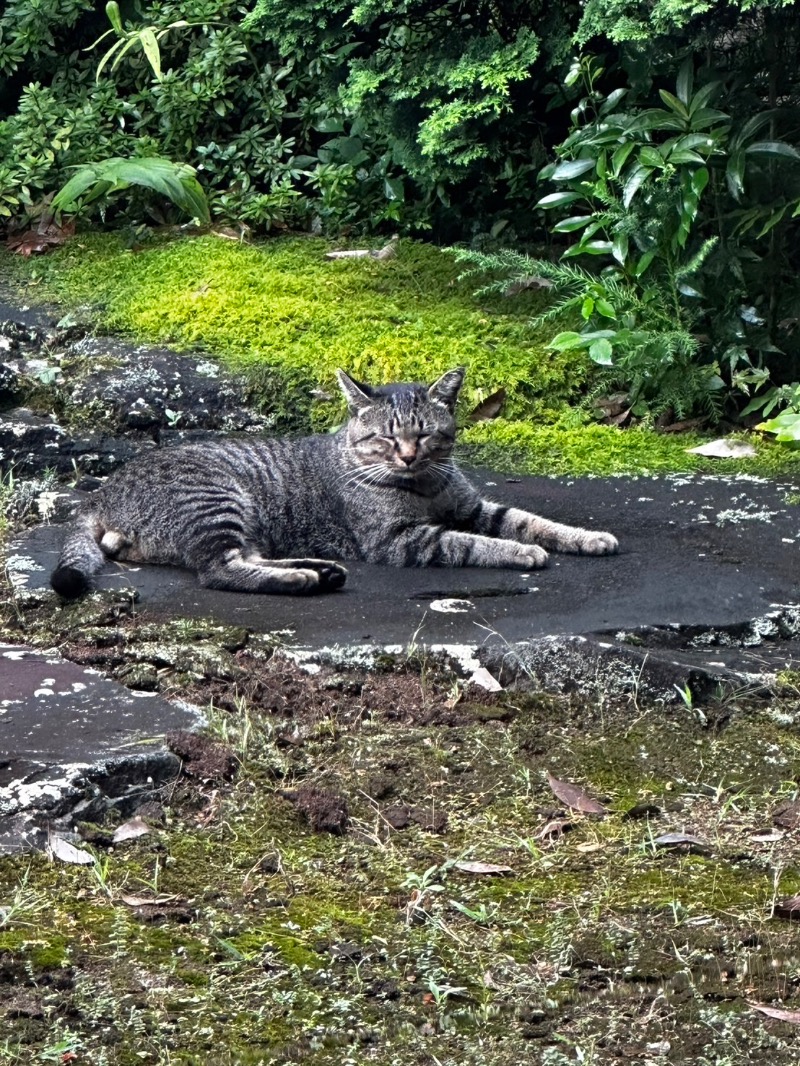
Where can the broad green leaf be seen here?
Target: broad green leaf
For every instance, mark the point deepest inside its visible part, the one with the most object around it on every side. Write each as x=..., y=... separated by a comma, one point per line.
x=569, y=225
x=703, y=96
x=572, y=169
x=612, y=100
x=393, y=189
x=682, y=156
x=597, y=247
x=650, y=157
x=700, y=180
x=776, y=148
x=685, y=82
x=634, y=183
x=673, y=103
x=564, y=342
x=587, y=308
x=601, y=352
x=109, y=55
x=708, y=116
x=620, y=157
x=127, y=44
x=347, y=148
x=151, y=50
x=604, y=308
x=734, y=174
x=557, y=199
x=773, y=220
x=655, y=118
x=786, y=427
x=114, y=17
x=175, y=181
x=619, y=248
x=644, y=263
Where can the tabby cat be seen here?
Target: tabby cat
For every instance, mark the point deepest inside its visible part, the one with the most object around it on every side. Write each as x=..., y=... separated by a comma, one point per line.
x=267, y=515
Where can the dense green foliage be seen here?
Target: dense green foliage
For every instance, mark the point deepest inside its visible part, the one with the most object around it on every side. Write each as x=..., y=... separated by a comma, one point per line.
x=663, y=159
x=301, y=113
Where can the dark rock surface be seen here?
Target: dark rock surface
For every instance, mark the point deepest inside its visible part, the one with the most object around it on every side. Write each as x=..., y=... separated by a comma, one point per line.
x=74, y=745
x=151, y=389
x=695, y=552
x=83, y=405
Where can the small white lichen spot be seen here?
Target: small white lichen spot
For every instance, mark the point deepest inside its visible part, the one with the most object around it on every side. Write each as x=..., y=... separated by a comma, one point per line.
x=452, y=606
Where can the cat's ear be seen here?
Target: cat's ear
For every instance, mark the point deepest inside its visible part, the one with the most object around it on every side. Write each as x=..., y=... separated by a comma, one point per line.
x=446, y=389
x=356, y=395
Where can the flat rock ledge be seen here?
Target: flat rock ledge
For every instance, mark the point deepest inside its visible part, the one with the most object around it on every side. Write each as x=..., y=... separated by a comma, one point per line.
x=75, y=745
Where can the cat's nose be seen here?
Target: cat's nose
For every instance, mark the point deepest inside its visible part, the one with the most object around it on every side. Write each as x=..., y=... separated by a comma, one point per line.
x=407, y=459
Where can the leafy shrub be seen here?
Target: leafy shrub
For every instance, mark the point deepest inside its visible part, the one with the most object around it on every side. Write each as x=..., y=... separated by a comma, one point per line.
x=633, y=179
x=175, y=181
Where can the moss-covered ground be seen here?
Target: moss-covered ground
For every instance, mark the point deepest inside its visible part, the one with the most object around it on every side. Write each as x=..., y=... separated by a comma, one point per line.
x=288, y=318
x=267, y=940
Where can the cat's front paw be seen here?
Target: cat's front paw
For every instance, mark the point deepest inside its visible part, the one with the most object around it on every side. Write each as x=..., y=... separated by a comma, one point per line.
x=530, y=557
x=594, y=543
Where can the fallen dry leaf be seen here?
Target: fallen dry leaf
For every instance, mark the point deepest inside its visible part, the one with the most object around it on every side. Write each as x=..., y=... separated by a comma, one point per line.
x=490, y=408
x=684, y=841
x=588, y=847
x=135, y=827
x=767, y=836
x=787, y=814
x=66, y=852
x=46, y=235
x=482, y=868
x=683, y=426
x=724, y=449
x=555, y=827
x=791, y=1016
x=147, y=901
x=574, y=797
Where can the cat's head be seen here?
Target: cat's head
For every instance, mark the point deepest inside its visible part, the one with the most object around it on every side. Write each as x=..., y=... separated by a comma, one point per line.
x=402, y=430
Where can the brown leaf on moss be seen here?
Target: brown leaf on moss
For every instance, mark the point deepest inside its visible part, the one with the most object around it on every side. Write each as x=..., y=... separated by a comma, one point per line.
x=683, y=842
x=556, y=827
x=574, y=797
x=202, y=758
x=490, y=408
x=791, y=1016
x=482, y=868
x=41, y=239
x=787, y=814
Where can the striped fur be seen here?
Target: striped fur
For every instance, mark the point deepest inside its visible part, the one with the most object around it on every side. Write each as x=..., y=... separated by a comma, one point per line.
x=270, y=515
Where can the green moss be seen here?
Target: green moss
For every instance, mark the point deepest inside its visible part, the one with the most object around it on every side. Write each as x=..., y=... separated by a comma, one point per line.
x=523, y=447
x=282, y=305
x=287, y=318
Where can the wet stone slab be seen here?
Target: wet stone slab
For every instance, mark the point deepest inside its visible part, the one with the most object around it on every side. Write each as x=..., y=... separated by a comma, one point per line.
x=694, y=551
x=74, y=744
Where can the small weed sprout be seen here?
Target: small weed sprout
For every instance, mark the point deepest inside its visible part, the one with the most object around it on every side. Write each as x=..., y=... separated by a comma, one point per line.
x=481, y=914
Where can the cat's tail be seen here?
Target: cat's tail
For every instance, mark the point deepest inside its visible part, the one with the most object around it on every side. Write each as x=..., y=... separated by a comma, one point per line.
x=81, y=557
